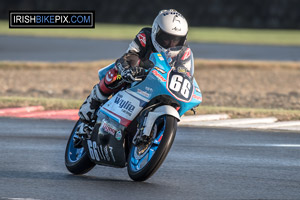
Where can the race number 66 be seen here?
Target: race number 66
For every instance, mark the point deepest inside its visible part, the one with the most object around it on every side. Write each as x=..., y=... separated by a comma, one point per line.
x=179, y=84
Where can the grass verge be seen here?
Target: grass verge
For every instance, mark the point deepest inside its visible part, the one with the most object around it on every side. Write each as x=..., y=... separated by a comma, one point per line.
x=199, y=63
x=8, y=65
x=47, y=103
x=233, y=112
x=196, y=34
x=236, y=112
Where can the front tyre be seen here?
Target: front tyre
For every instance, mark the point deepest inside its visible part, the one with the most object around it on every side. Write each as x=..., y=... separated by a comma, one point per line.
x=143, y=164
x=76, y=159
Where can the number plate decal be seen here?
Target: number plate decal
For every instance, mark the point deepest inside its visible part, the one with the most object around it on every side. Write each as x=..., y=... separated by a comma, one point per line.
x=180, y=86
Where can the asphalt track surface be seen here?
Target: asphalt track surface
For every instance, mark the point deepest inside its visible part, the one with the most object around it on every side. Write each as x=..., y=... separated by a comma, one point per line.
x=202, y=164
x=26, y=48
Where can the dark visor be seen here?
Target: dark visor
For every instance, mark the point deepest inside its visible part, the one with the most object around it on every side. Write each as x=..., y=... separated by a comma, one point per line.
x=167, y=40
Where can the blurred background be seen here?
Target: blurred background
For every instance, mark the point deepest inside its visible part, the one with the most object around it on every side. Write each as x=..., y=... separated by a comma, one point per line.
x=211, y=13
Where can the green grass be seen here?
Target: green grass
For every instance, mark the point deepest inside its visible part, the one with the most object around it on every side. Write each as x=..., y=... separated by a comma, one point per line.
x=196, y=34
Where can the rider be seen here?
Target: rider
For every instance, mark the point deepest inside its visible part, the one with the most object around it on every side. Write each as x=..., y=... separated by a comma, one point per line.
x=169, y=29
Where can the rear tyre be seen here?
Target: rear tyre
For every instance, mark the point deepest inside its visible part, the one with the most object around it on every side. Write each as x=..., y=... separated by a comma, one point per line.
x=76, y=159
x=142, y=166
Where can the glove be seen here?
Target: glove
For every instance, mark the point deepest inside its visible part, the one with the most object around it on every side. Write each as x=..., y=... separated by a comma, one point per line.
x=129, y=74
x=147, y=64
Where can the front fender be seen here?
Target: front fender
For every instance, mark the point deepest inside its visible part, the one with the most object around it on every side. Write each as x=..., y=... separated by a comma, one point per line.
x=159, y=111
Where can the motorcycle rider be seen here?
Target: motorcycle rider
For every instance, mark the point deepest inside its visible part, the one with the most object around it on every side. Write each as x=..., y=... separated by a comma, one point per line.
x=169, y=29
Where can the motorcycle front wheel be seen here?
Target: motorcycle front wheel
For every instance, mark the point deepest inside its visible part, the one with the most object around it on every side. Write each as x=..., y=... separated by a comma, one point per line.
x=76, y=159
x=144, y=161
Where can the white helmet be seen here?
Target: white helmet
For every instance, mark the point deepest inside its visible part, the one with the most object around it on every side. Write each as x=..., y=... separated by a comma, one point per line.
x=169, y=29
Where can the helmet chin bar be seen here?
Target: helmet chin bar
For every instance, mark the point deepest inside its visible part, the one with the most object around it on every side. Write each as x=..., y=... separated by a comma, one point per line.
x=158, y=47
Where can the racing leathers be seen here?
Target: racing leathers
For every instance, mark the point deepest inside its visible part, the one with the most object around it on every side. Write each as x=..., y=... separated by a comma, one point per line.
x=132, y=64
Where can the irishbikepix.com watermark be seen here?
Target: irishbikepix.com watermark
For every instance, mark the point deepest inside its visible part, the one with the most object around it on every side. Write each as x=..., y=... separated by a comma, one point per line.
x=37, y=19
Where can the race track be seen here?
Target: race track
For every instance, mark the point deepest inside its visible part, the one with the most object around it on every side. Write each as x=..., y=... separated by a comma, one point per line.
x=202, y=164
x=25, y=48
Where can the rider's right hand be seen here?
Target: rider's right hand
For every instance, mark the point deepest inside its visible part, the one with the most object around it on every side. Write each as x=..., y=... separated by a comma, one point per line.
x=130, y=74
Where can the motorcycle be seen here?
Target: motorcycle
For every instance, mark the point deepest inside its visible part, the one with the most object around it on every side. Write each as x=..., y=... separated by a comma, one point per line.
x=136, y=127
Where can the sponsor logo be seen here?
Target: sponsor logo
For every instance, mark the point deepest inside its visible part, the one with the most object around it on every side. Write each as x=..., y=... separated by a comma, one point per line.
x=108, y=128
x=145, y=94
x=187, y=54
x=197, y=97
x=160, y=77
x=109, y=76
x=176, y=19
x=119, y=77
x=198, y=90
x=149, y=89
x=118, y=135
x=176, y=22
x=188, y=73
x=160, y=57
x=126, y=106
x=100, y=153
x=181, y=70
x=176, y=29
x=142, y=39
x=160, y=70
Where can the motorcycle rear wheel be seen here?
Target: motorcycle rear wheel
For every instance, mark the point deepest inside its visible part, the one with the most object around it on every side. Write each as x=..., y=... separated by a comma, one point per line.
x=141, y=167
x=77, y=160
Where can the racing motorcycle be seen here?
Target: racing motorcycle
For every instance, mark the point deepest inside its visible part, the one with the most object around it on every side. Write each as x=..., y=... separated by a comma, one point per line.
x=136, y=127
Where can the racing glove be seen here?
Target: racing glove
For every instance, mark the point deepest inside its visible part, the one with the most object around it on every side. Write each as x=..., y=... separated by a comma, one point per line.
x=130, y=74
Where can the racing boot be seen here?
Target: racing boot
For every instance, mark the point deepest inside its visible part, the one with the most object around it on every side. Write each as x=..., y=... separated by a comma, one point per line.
x=91, y=104
x=87, y=115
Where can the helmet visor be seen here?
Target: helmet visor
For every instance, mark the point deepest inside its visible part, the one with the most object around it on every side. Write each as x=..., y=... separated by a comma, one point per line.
x=167, y=40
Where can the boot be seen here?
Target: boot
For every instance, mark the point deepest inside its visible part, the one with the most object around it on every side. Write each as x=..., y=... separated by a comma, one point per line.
x=91, y=104
x=87, y=115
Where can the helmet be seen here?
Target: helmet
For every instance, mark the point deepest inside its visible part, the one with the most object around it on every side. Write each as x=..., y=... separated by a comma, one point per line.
x=169, y=29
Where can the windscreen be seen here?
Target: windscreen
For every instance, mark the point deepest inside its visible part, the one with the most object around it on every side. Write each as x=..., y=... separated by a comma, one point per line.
x=181, y=58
